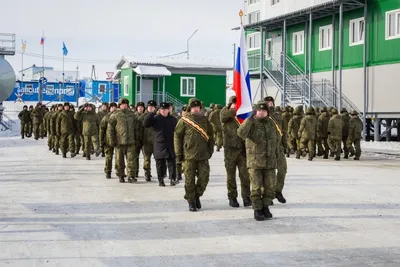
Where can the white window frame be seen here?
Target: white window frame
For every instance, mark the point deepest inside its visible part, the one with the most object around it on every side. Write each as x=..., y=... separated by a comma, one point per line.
x=187, y=89
x=253, y=2
x=126, y=85
x=396, y=14
x=296, y=49
x=275, y=2
x=48, y=90
x=256, y=45
x=268, y=49
x=355, y=24
x=105, y=87
x=251, y=14
x=323, y=30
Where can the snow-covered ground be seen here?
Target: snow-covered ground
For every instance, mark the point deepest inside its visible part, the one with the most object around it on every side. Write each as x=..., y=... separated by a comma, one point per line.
x=63, y=212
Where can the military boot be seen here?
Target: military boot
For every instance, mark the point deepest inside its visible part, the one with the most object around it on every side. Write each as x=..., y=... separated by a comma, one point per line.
x=351, y=154
x=84, y=155
x=98, y=153
x=108, y=175
x=310, y=158
x=22, y=136
x=88, y=157
x=332, y=154
x=198, y=203
x=303, y=153
x=148, y=178
x=54, y=150
x=64, y=155
x=218, y=149
x=279, y=197
x=267, y=213
x=192, y=206
x=121, y=179
x=57, y=152
x=103, y=154
x=247, y=202
x=73, y=155
x=337, y=158
x=259, y=215
x=161, y=182
x=173, y=182
x=50, y=149
x=234, y=203
x=179, y=177
x=346, y=155
x=132, y=180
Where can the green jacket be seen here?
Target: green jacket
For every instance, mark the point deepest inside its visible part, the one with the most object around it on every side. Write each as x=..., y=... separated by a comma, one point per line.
x=90, y=122
x=104, y=139
x=308, y=127
x=146, y=134
x=335, y=127
x=345, y=124
x=53, y=122
x=262, y=143
x=215, y=120
x=65, y=123
x=355, y=129
x=101, y=114
x=37, y=115
x=285, y=121
x=24, y=116
x=294, y=126
x=122, y=129
x=229, y=129
x=189, y=143
x=46, y=120
x=322, y=125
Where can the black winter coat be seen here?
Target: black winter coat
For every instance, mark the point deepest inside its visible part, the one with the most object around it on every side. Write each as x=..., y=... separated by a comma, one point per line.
x=164, y=128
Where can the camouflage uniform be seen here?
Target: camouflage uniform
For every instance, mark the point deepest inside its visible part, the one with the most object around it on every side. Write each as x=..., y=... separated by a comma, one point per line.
x=37, y=120
x=322, y=132
x=345, y=130
x=335, y=133
x=147, y=141
x=194, y=149
x=216, y=124
x=263, y=144
x=30, y=125
x=179, y=170
x=285, y=125
x=43, y=130
x=53, y=125
x=307, y=133
x=47, y=122
x=90, y=130
x=235, y=156
x=210, y=110
x=65, y=129
x=355, y=132
x=293, y=129
x=138, y=144
x=122, y=134
x=105, y=143
x=101, y=114
x=24, y=117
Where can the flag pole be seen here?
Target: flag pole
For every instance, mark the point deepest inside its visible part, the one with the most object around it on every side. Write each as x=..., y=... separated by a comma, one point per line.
x=63, y=72
x=43, y=54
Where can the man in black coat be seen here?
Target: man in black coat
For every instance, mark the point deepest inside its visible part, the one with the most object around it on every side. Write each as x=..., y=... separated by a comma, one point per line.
x=163, y=150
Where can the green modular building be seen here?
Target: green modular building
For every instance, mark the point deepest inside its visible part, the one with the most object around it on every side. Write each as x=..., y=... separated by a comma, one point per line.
x=172, y=81
x=341, y=53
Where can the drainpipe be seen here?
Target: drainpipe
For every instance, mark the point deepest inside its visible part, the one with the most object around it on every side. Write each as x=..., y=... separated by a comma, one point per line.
x=310, y=32
x=284, y=63
x=365, y=109
x=340, y=54
x=333, y=61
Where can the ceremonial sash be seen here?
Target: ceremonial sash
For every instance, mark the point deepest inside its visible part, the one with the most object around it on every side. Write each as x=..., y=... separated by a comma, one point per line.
x=277, y=126
x=197, y=127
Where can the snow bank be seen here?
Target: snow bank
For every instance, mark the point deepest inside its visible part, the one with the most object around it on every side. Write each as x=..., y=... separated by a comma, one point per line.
x=381, y=146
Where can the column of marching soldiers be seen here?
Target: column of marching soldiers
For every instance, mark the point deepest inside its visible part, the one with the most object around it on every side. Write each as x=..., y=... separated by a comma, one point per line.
x=183, y=143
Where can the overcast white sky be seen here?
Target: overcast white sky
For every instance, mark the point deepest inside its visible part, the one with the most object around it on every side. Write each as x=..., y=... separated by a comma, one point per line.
x=106, y=30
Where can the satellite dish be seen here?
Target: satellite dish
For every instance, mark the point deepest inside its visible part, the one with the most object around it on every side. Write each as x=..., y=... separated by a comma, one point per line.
x=7, y=79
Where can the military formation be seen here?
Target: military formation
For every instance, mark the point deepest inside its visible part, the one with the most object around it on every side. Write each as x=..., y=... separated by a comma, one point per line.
x=182, y=144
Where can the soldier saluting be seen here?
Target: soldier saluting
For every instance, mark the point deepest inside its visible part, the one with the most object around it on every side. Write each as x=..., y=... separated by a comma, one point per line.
x=194, y=144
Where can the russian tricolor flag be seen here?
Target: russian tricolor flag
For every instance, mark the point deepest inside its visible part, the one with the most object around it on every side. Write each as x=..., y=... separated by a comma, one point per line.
x=241, y=82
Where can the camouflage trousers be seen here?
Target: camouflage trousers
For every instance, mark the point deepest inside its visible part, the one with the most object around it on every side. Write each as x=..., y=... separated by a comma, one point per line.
x=218, y=139
x=29, y=128
x=335, y=145
x=147, y=153
x=122, y=152
x=281, y=167
x=292, y=143
x=56, y=142
x=356, y=150
x=88, y=142
x=43, y=131
x=50, y=140
x=109, y=151
x=67, y=143
x=193, y=188
x=78, y=142
x=324, y=146
x=136, y=160
x=320, y=148
x=36, y=131
x=234, y=159
x=345, y=149
x=308, y=144
x=24, y=129
x=262, y=187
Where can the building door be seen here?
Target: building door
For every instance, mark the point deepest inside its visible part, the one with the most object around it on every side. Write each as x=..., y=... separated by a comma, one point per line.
x=147, y=90
x=276, y=52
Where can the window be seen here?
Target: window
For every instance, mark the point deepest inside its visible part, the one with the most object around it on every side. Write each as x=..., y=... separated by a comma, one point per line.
x=268, y=49
x=251, y=2
x=357, y=31
x=274, y=2
x=126, y=85
x=393, y=24
x=325, y=38
x=50, y=89
x=102, y=88
x=254, y=17
x=188, y=86
x=253, y=41
x=298, y=43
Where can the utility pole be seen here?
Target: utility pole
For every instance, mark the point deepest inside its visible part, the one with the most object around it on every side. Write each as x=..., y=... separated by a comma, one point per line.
x=187, y=43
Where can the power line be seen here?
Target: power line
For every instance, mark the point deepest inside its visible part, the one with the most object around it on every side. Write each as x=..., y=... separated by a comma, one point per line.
x=77, y=60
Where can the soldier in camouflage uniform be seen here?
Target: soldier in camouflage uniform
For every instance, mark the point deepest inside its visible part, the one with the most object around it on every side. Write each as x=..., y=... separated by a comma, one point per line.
x=140, y=107
x=172, y=111
x=122, y=133
x=235, y=156
x=322, y=132
x=90, y=129
x=335, y=132
x=101, y=114
x=263, y=143
x=179, y=170
x=216, y=124
x=105, y=142
x=43, y=130
x=148, y=140
x=30, y=125
x=37, y=120
x=286, y=116
x=355, y=132
x=24, y=117
x=210, y=110
x=307, y=133
x=194, y=145
x=65, y=129
x=78, y=135
x=293, y=130
x=345, y=130
x=281, y=166
x=47, y=121
x=53, y=125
